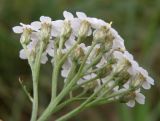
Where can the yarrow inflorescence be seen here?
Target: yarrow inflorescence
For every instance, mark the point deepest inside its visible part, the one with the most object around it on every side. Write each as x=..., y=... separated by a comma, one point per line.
x=90, y=48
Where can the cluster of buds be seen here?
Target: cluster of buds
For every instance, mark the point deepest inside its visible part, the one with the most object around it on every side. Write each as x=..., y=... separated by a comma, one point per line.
x=92, y=48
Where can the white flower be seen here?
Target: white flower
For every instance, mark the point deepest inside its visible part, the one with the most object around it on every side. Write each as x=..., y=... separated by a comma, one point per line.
x=68, y=16
x=148, y=80
x=20, y=29
x=43, y=20
x=30, y=48
x=138, y=97
x=95, y=23
x=75, y=23
x=56, y=28
x=22, y=54
x=70, y=42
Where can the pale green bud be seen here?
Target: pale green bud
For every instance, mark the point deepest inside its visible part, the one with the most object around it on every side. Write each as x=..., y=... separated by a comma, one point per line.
x=78, y=55
x=137, y=80
x=130, y=96
x=84, y=29
x=46, y=32
x=66, y=30
x=100, y=34
x=26, y=35
x=91, y=85
x=105, y=71
x=122, y=77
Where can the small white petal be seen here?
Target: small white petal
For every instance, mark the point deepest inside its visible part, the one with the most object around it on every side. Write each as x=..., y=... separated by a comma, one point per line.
x=17, y=29
x=45, y=19
x=50, y=52
x=118, y=44
x=131, y=103
x=68, y=15
x=80, y=81
x=150, y=80
x=146, y=85
x=36, y=25
x=126, y=85
x=81, y=15
x=57, y=26
x=67, y=64
x=64, y=73
x=35, y=36
x=70, y=42
x=22, y=54
x=140, y=98
x=87, y=77
x=44, y=58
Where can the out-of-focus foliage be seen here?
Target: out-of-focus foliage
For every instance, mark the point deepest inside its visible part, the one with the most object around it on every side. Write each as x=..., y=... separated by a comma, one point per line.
x=137, y=21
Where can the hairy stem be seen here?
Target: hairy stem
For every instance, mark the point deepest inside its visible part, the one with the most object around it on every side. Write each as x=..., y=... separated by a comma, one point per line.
x=35, y=76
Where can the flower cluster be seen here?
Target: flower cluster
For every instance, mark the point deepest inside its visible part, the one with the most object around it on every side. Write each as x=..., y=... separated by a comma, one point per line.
x=90, y=48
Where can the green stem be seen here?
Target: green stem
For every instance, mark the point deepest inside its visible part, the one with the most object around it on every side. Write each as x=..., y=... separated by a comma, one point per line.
x=54, y=103
x=62, y=105
x=35, y=76
x=82, y=106
x=26, y=91
x=55, y=79
x=101, y=102
x=49, y=110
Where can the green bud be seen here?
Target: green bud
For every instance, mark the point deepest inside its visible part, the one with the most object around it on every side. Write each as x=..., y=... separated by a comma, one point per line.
x=130, y=96
x=91, y=85
x=105, y=71
x=121, y=77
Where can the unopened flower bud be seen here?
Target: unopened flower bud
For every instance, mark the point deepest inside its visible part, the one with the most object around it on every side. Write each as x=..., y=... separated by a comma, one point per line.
x=78, y=54
x=105, y=71
x=121, y=77
x=100, y=34
x=45, y=32
x=84, y=29
x=91, y=85
x=66, y=30
x=127, y=97
x=137, y=80
x=26, y=35
x=123, y=65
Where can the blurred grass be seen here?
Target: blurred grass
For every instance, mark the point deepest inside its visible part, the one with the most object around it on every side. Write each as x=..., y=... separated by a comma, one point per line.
x=138, y=22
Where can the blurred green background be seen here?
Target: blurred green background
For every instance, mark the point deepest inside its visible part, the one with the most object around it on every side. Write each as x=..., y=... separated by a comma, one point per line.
x=137, y=21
